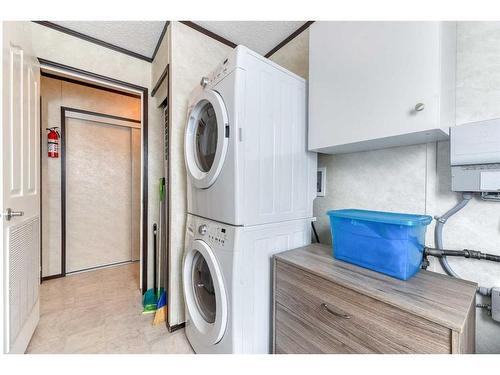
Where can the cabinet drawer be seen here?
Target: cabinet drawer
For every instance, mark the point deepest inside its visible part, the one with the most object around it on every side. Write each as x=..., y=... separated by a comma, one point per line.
x=305, y=324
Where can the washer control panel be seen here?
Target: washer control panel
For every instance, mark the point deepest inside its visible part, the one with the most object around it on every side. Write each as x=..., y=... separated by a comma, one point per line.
x=217, y=235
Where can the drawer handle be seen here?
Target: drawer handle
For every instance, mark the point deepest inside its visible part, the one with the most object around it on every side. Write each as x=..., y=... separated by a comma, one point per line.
x=419, y=107
x=325, y=307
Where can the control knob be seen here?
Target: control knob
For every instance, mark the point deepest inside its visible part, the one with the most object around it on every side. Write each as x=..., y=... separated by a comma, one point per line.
x=204, y=82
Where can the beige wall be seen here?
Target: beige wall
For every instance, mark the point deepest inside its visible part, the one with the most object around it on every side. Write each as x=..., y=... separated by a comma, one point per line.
x=416, y=179
x=56, y=93
x=65, y=49
x=294, y=56
x=136, y=193
x=161, y=60
x=192, y=55
x=75, y=52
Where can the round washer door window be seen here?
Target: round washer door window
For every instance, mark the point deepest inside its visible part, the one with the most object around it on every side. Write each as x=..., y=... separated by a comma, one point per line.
x=205, y=293
x=203, y=287
x=206, y=139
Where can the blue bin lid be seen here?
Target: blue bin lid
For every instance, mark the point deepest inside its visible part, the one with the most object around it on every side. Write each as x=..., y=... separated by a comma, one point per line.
x=383, y=217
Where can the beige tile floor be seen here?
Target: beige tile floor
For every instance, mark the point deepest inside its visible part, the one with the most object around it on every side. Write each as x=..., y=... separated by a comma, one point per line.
x=100, y=312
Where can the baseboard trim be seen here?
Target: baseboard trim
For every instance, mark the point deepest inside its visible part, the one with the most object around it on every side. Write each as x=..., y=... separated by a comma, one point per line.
x=26, y=333
x=109, y=265
x=51, y=277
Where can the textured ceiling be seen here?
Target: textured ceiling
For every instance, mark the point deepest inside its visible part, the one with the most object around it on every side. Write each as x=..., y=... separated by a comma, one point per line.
x=260, y=36
x=142, y=36
x=137, y=36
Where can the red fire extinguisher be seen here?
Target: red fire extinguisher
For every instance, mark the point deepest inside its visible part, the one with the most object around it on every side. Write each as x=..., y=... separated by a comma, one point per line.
x=53, y=142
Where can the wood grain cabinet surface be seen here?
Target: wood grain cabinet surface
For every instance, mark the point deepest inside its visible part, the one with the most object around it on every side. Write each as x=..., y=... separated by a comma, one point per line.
x=322, y=305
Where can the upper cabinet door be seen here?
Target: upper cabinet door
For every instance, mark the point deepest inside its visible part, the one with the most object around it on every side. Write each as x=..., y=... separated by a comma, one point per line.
x=379, y=84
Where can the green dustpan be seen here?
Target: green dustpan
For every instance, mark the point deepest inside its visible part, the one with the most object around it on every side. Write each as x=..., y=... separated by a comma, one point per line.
x=149, y=301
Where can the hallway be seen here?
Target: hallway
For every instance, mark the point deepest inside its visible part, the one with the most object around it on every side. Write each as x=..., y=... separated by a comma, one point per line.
x=100, y=312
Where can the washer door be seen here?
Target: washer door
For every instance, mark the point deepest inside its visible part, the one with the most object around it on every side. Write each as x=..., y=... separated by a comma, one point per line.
x=205, y=294
x=206, y=139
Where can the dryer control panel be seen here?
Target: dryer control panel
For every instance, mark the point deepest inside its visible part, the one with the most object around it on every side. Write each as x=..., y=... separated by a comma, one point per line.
x=222, y=70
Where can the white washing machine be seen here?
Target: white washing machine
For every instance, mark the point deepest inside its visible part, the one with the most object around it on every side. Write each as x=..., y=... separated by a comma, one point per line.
x=227, y=282
x=245, y=144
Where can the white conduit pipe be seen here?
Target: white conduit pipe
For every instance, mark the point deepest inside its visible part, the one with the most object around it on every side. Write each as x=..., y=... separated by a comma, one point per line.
x=438, y=238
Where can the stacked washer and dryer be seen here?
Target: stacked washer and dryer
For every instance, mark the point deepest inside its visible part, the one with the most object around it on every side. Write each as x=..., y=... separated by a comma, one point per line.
x=251, y=185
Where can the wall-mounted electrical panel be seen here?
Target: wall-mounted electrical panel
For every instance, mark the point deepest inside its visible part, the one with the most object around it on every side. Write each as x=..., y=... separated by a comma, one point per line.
x=495, y=304
x=475, y=157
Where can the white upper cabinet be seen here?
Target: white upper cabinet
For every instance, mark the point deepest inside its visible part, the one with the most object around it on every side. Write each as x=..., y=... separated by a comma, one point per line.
x=380, y=84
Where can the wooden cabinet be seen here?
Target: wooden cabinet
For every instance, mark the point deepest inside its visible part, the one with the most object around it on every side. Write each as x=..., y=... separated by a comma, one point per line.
x=380, y=84
x=322, y=305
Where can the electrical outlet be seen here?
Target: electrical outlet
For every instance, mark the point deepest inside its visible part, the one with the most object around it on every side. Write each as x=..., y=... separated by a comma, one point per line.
x=495, y=304
x=321, y=182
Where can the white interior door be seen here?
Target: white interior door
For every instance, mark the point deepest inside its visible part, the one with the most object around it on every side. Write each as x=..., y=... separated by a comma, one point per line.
x=20, y=188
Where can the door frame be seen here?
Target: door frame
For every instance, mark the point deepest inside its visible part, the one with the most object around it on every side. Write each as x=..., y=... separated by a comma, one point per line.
x=63, y=149
x=105, y=82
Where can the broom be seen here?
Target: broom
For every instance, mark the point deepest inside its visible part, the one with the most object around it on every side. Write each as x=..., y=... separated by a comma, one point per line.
x=161, y=309
x=161, y=306
x=150, y=298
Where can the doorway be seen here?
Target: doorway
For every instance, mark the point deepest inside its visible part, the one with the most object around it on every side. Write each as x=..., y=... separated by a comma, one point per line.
x=96, y=219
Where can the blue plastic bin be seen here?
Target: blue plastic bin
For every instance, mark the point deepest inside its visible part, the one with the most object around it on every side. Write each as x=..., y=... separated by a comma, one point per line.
x=386, y=242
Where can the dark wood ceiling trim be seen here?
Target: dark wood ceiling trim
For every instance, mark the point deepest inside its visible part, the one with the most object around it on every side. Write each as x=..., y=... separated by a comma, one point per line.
x=56, y=65
x=100, y=114
x=88, y=84
x=289, y=38
x=91, y=39
x=160, y=81
x=160, y=39
x=209, y=33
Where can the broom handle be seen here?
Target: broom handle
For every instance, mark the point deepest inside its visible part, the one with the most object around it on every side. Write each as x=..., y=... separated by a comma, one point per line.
x=160, y=221
x=159, y=256
x=155, y=255
x=160, y=232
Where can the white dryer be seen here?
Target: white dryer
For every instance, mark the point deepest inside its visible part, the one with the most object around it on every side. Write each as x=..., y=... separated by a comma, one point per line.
x=245, y=144
x=227, y=282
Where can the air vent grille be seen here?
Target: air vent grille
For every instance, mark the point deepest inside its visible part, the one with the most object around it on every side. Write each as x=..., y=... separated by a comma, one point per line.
x=24, y=272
